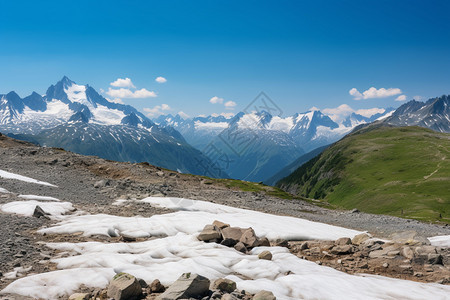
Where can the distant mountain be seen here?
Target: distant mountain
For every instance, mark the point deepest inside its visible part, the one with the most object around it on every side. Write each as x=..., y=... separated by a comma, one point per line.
x=286, y=171
x=266, y=144
x=433, y=114
x=77, y=118
x=402, y=171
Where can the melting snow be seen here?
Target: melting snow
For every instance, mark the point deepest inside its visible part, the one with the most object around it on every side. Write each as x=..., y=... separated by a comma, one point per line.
x=8, y=175
x=35, y=197
x=26, y=208
x=95, y=263
x=440, y=240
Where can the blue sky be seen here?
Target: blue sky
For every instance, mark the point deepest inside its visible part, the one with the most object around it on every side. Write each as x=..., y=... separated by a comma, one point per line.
x=301, y=53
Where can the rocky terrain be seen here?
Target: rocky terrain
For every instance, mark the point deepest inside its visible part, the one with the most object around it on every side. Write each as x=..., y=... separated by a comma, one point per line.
x=92, y=184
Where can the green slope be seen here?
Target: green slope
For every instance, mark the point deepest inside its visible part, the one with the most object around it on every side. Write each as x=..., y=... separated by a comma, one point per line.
x=401, y=171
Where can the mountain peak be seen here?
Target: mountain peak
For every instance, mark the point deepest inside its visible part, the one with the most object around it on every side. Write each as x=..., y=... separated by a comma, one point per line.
x=65, y=81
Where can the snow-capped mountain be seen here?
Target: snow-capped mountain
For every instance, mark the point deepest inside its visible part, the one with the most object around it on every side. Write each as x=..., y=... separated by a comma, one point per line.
x=433, y=114
x=65, y=101
x=266, y=143
x=198, y=131
x=77, y=118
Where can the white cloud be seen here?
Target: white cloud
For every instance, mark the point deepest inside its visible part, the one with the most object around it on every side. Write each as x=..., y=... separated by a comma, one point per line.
x=418, y=98
x=227, y=115
x=120, y=82
x=215, y=100
x=401, y=98
x=160, y=79
x=202, y=116
x=372, y=93
x=157, y=110
x=341, y=112
x=127, y=93
x=230, y=104
x=313, y=109
x=115, y=100
x=370, y=111
x=183, y=114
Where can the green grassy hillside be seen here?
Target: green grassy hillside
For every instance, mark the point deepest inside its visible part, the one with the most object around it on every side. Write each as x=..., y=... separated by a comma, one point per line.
x=401, y=171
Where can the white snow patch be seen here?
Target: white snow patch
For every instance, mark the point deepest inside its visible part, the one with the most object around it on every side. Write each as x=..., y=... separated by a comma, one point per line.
x=9, y=175
x=4, y=191
x=41, y=198
x=440, y=240
x=386, y=115
x=193, y=215
x=212, y=126
x=26, y=208
x=166, y=259
x=278, y=123
x=107, y=116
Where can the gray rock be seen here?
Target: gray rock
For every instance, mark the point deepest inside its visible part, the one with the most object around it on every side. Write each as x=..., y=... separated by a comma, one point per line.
x=209, y=233
x=224, y=285
x=102, y=183
x=341, y=249
x=265, y=255
x=124, y=287
x=40, y=213
x=157, y=287
x=434, y=259
x=220, y=225
x=343, y=241
x=249, y=238
x=407, y=252
x=232, y=235
x=240, y=247
x=187, y=286
x=230, y=297
x=80, y=296
x=264, y=242
x=264, y=295
x=360, y=238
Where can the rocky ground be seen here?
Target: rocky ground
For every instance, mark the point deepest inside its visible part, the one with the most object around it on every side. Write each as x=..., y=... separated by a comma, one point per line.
x=93, y=184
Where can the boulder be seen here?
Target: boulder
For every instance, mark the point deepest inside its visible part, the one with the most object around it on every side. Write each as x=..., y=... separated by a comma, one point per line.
x=209, y=233
x=249, y=238
x=240, y=247
x=264, y=242
x=359, y=238
x=265, y=255
x=224, y=285
x=40, y=213
x=264, y=295
x=341, y=249
x=407, y=252
x=220, y=225
x=232, y=235
x=124, y=286
x=80, y=296
x=189, y=285
x=434, y=259
x=343, y=241
x=229, y=297
x=409, y=238
x=157, y=287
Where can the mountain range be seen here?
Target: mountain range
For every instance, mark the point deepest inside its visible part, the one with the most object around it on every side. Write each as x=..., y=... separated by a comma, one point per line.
x=254, y=146
x=77, y=118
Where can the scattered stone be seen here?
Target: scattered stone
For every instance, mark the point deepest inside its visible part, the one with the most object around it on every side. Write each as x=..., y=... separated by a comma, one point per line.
x=102, y=184
x=385, y=265
x=40, y=213
x=224, y=285
x=229, y=297
x=281, y=243
x=343, y=241
x=124, y=286
x=80, y=296
x=209, y=233
x=249, y=238
x=434, y=259
x=265, y=255
x=220, y=225
x=355, y=211
x=340, y=250
x=232, y=235
x=157, y=287
x=264, y=242
x=407, y=252
x=264, y=295
x=360, y=238
x=189, y=285
x=240, y=247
